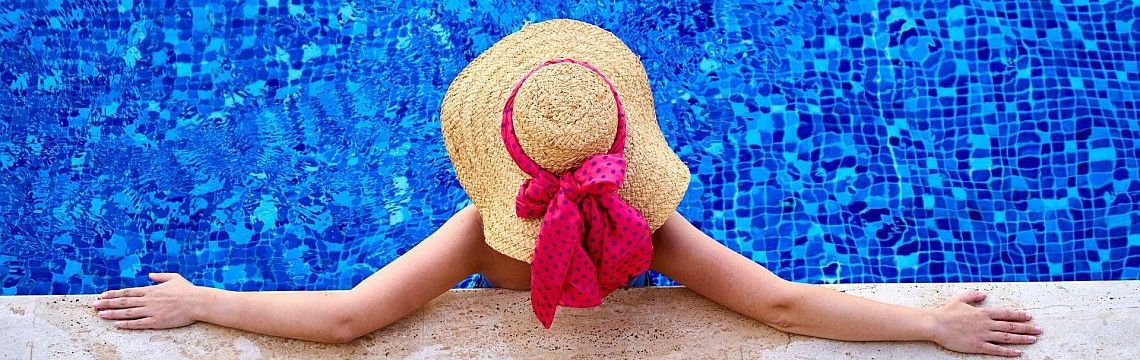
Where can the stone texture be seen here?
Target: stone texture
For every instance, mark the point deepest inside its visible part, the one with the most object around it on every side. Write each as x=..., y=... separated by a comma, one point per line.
x=1081, y=320
x=17, y=317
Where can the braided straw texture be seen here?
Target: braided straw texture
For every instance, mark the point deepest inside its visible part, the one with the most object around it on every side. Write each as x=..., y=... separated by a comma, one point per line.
x=563, y=114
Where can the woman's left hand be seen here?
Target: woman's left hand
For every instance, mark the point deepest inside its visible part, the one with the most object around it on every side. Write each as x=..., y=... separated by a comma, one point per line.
x=965, y=328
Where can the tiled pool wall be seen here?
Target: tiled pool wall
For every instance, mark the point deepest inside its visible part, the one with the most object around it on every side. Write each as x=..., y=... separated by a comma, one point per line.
x=273, y=145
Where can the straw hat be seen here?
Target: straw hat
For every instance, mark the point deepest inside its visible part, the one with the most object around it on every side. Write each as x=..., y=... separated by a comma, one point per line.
x=563, y=114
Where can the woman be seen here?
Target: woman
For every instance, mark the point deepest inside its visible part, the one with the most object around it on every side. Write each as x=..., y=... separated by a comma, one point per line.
x=570, y=202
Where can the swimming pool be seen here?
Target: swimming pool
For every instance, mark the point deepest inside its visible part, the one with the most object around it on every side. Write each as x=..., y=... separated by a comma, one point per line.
x=264, y=145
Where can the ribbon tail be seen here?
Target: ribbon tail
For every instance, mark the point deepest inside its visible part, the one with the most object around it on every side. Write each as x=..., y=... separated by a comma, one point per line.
x=552, y=259
x=628, y=245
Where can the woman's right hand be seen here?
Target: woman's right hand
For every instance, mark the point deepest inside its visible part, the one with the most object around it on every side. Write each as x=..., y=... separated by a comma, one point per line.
x=170, y=304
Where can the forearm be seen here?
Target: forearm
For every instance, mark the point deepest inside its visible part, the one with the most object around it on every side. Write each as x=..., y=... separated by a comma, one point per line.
x=700, y=263
x=802, y=309
x=307, y=315
x=428, y=270
x=823, y=312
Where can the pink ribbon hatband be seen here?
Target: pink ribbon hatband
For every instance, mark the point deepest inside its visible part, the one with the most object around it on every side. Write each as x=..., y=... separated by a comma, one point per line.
x=591, y=242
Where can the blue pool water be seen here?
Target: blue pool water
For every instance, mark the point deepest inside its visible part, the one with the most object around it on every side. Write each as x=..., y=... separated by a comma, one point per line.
x=265, y=145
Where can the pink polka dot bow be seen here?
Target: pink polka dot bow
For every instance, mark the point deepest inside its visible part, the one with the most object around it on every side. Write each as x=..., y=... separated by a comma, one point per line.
x=591, y=242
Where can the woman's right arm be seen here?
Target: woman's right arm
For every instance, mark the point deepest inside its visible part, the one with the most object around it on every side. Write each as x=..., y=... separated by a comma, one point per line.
x=431, y=268
x=684, y=253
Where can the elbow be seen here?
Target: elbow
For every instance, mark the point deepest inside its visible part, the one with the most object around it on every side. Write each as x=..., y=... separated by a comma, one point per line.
x=343, y=331
x=779, y=309
x=780, y=319
x=341, y=337
x=343, y=326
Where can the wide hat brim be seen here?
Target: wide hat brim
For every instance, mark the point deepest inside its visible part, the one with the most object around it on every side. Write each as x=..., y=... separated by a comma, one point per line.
x=471, y=117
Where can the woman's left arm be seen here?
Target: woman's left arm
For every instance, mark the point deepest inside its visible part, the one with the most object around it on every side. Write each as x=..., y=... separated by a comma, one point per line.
x=685, y=254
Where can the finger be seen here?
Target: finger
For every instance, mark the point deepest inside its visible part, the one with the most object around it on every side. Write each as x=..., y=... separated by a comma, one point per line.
x=136, y=291
x=162, y=277
x=1015, y=327
x=1008, y=315
x=124, y=314
x=972, y=297
x=1007, y=338
x=118, y=303
x=144, y=323
x=992, y=349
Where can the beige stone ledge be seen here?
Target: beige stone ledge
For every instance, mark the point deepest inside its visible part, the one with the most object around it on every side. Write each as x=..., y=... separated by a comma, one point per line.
x=1082, y=320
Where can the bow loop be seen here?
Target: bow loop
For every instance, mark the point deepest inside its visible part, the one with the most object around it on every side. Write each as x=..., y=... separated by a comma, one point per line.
x=601, y=174
x=535, y=195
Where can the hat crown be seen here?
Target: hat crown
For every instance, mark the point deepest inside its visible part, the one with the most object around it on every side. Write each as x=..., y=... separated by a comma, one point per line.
x=556, y=129
x=563, y=114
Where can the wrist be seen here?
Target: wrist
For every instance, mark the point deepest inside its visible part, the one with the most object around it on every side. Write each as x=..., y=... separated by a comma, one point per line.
x=930, y=324
x=199, y=301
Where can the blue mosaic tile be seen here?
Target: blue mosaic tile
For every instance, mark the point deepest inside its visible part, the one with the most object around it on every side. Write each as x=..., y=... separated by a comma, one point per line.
x=281, y=145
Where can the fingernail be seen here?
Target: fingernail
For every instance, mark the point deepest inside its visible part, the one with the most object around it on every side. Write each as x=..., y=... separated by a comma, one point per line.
x=102, y=313
x=1038, y=328
x=1033, y=338
x=1028, y=315
x=96, y=303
